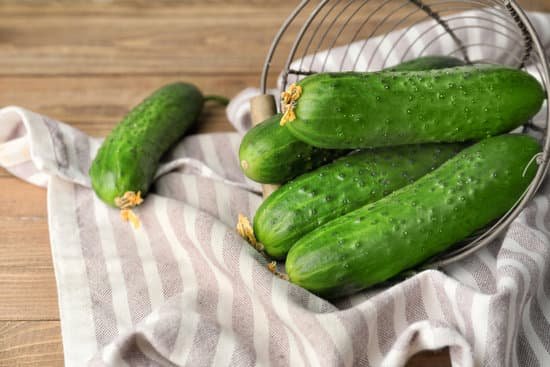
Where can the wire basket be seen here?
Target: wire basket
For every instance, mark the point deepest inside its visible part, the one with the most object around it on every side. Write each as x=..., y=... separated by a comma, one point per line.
x=369, y=35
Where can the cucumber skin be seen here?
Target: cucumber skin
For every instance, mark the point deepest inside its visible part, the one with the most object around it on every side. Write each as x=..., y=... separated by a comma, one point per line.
x=318, y=197
x=357, y=110
x=380, y=240
x=129, y=156
x=428, y=63
x=269, y=153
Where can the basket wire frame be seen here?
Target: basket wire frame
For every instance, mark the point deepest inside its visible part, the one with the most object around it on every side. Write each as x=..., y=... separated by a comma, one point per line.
x=324, y=29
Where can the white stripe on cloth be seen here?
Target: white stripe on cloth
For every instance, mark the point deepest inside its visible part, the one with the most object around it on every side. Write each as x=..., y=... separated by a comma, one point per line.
x=78, y=329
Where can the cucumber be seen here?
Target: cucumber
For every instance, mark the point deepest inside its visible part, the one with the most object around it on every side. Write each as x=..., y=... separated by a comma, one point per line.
x=428, y=63
x=318, y=197
x=355, y=110
x=129, y=156
x=403, y=229
x=270, y=154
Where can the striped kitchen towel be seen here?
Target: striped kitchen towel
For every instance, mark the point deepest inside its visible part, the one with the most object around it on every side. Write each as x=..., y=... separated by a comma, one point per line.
x=185, y=290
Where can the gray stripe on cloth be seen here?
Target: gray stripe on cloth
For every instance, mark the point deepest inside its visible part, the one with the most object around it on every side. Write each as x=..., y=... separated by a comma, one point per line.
x=384, y=323
x=415, y=310
x=162, y=253
x=308, y=324
x=242, y=316
x=139, y=301
x=96, y=270
x=464, y=299
x=524, y=351
x=278, y=340
x=208, y=330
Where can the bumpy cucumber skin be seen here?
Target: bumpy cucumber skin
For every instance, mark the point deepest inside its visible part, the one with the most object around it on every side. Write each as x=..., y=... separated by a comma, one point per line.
x=129, y=156
x=380, y=240
x=318, y=197
x=269, y=153
x=355, y=110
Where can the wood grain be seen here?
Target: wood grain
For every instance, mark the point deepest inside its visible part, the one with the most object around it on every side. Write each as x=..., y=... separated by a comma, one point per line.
x=87, y=63
x=99, y=38
x=27, y=282
x=36, y=343
x=75, y=38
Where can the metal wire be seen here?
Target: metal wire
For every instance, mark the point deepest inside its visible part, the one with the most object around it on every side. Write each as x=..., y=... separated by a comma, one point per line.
x=386, y=29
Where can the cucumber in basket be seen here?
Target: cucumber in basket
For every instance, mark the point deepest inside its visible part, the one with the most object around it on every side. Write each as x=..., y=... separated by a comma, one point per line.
x=127, y=161
x=355, y=110
x=405, y=228
x=428, y=63
x=271, y=154
x=318, y=197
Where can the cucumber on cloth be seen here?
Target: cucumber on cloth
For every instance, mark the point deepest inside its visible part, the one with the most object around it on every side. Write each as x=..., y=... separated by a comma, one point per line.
x=407, y=227
x=126, y=163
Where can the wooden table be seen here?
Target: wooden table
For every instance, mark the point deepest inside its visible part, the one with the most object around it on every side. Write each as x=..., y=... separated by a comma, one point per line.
x=87, y=63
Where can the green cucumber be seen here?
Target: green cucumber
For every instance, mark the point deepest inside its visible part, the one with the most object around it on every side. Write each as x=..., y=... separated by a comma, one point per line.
x=318, y=197
x=271, y=154
x=129, y=156
x=355, y=110
x=405, y=228
x=428, y=63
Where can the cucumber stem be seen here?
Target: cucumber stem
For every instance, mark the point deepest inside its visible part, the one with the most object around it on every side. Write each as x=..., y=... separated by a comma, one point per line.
x=219, y=99
x=288, y=103
x=128, y=201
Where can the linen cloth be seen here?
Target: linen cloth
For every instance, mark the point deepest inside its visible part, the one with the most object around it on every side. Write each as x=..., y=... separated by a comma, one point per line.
x=185, y=290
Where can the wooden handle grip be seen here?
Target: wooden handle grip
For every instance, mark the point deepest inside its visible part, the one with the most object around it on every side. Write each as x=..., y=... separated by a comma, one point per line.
x=261, y=108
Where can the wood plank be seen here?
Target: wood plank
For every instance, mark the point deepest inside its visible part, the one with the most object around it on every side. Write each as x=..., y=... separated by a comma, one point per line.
x=165, y=7
x=194, y=37
x=28, y=294
x=20, y=202
x=137, y=7
x=27, y=282
x=25, y=243
x=25, y=247
x=30, y=343
x=535, y=5
x=188, y=36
